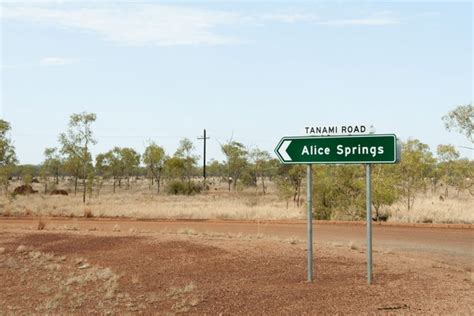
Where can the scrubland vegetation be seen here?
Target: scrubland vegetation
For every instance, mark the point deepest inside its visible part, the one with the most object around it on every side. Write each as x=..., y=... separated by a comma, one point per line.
x=248, y=184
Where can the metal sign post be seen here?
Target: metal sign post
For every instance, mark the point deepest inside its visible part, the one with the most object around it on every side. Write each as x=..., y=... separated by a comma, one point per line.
x=309, y=193
x=369, y=221
x=346, y=149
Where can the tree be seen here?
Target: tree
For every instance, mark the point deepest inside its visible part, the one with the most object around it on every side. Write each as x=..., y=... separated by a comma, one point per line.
x=112, y=164
x=285, y=189
x=185, y=152
x=293, y=175
x=27, y=173
x=7, y=154
x=414, y=168
x=72, y=165
x=53, y=163
x=461, y=119
x=463, y=175
x=215, y=169
x=385, y=188
x=175, y=168
x=260, y=160
x=447, y=154
x=236, y=156
x=131, y=162
x=76, y=143
x=154, y=158
x=342, y=192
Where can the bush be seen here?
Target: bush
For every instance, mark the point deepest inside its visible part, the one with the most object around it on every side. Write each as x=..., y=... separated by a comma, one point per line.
x=183, y=188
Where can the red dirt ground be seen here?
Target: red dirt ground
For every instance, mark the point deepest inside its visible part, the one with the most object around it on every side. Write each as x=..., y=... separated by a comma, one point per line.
x=95, y=266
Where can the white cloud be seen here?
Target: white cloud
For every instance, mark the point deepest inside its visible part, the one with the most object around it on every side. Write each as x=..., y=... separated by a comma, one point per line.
x=379, y=21
x=163, y=25
x=288, y=17
x=149, y=24
x=57, y=61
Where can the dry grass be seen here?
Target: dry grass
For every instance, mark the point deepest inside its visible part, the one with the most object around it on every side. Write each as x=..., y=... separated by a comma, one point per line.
x=64, y=284
x=21, y=249
x=249, y=204
x=430, y=209
x=88, y=213
x=353, y=246
x=185, y=298
x=141, y=205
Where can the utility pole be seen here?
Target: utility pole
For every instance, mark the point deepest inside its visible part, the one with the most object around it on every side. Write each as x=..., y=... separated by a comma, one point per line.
x=205, y=138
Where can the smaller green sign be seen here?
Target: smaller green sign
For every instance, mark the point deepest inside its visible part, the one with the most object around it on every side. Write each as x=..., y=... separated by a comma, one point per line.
x=358, y=149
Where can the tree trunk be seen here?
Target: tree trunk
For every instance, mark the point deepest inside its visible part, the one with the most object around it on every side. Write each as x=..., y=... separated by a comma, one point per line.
x=84, y=190
x=376, y=212
x=408, y=201
x=299, y=195
x=75, y=185
x=263, y=185
x=114, y=184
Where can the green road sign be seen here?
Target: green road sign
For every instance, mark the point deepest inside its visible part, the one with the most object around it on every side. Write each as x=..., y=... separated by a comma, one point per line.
x=358, y=149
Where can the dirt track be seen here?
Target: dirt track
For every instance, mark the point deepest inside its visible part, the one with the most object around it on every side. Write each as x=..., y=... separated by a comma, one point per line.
x=84, y=266
x=444, y=242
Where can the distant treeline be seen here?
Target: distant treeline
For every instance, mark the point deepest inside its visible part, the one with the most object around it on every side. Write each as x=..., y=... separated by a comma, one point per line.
x=337, y=188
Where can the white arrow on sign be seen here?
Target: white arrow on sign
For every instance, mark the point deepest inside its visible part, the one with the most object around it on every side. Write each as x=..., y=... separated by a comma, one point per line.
x=282, y=150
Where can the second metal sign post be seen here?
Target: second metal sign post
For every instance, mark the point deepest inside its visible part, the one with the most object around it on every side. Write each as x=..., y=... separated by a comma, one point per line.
x=359, y=149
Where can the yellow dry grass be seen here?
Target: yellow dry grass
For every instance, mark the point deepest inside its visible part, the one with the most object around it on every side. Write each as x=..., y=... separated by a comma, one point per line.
x=430, y=209
x=218, y=203
x=148, y=205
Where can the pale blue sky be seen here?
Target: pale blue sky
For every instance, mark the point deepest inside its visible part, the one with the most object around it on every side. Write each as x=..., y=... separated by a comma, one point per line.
x=254, y=71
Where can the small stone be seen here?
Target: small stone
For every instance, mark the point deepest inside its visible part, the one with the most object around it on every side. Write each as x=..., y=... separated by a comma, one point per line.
x=21, y=248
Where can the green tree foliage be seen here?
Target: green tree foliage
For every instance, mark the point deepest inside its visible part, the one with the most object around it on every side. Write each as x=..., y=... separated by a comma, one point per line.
x=73, y=167
x=154, y=158
x=285, y=189
x=130, y=163
x=339, y=192
x=215, y=169
x=463, y=175
x=447, y=155
x=76, y=143
x=175, y=168
x=7, y=150
x=53, y=163
x=291, y=176
x=27, y=173
x=385, y=188
x=179, y=187
x=260, y=165
x=461, y=120
x=236, y=161
x=416, y=166
x=185, y=152
x=118, y=163
x=7, y=155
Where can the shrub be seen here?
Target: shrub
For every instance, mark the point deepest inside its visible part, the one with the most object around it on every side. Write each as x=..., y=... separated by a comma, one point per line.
x=41, y=225
x=183, y=188
x=88, y=213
